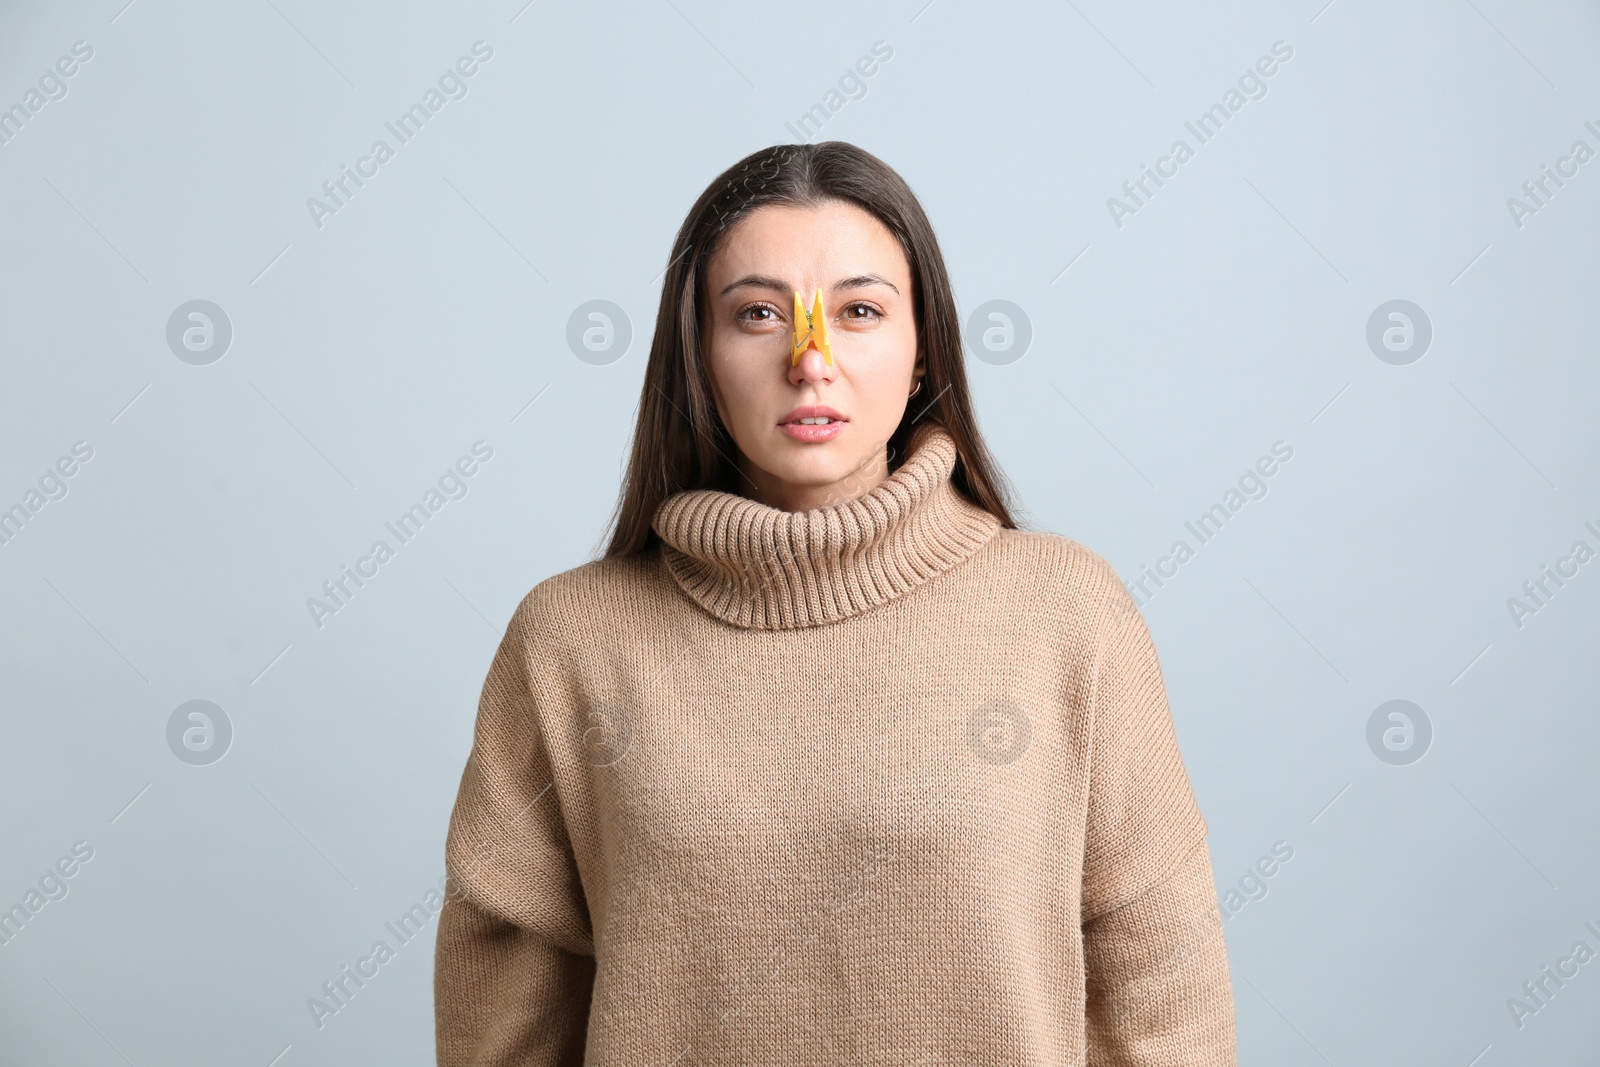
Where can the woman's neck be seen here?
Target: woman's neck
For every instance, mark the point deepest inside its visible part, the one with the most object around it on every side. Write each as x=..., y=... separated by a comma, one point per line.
x=862, y=476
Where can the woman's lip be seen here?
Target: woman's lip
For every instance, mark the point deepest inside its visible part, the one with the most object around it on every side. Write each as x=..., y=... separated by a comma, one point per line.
x=811, y=433
x=811, y=411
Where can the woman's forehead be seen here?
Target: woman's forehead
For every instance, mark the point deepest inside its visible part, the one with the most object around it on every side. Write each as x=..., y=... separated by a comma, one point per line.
x=834, y=238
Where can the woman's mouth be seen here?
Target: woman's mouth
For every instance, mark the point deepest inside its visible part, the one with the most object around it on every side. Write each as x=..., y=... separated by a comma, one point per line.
x=812, y=423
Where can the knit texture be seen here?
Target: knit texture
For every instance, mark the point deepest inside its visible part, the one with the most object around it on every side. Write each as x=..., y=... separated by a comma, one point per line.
x=874, y=783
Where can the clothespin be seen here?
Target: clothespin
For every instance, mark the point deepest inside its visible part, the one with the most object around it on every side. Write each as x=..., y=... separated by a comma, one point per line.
x=815, y=331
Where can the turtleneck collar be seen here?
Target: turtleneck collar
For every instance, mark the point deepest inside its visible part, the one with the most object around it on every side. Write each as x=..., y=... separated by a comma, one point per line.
x=763, y=568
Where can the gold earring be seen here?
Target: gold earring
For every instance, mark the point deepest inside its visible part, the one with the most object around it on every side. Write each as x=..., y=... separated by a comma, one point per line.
x=915, y=391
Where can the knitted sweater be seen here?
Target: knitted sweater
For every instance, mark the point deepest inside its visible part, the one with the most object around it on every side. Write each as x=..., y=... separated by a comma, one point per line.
x=875, y=783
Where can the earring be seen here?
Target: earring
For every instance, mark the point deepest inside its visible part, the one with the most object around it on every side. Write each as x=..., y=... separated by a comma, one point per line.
x=915, y=391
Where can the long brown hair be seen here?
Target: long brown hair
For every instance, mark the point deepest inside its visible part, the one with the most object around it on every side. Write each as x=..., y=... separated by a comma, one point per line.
x=679, y=441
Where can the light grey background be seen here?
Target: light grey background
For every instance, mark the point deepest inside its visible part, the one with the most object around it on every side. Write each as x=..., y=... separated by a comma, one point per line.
x=1167, y=355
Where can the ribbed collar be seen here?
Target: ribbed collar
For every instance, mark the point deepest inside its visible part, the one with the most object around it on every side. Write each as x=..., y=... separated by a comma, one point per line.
x=763, y=568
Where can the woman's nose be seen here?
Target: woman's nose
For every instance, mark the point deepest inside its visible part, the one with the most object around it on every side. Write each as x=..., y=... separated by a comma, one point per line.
x=812, y=367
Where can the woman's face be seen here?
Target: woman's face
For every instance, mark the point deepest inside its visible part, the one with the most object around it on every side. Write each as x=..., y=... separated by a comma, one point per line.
x=748, y=330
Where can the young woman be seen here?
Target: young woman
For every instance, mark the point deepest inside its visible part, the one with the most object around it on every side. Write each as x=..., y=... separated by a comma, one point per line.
x=826, y=761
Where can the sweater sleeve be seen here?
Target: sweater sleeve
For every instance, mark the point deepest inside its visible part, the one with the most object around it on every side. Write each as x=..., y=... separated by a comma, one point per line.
x=1158, y=985
x=1158, y=989
x=514, y=957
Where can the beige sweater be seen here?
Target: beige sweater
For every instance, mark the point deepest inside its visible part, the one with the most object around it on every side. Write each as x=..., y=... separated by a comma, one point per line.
x=876, y=783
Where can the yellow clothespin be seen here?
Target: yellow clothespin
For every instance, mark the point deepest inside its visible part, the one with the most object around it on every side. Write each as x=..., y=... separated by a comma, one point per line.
x=816, y=328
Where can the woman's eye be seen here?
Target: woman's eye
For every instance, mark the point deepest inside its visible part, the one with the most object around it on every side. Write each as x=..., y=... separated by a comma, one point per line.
x=751, y=313
x=871, y=312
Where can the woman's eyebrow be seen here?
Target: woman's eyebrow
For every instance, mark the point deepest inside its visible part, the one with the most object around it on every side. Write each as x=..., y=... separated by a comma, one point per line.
x=766, y=281
x=863, y=280
x=759, y=281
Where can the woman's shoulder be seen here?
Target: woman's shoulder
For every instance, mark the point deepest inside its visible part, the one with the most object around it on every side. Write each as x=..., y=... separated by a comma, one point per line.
x=592, y=593
x=1054, y=563
x=1058, y=559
